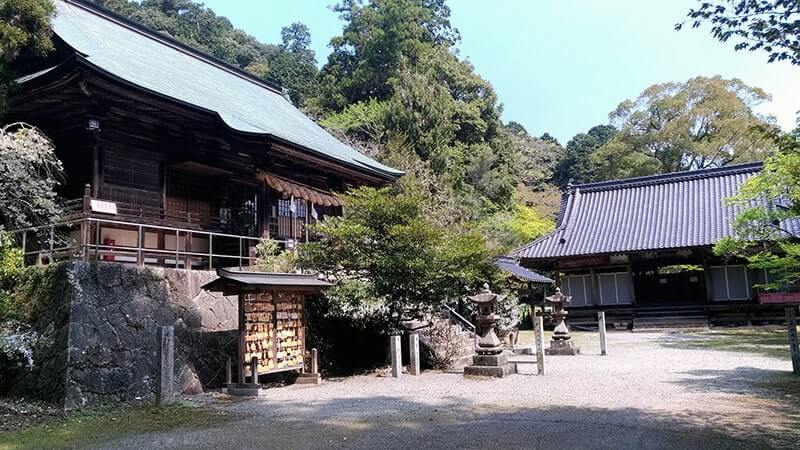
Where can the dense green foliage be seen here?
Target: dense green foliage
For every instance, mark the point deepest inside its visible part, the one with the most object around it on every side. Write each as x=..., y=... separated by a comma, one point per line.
x=701, y=123
x=769, y=201
x=24, y=28
x=772, y=26
x=10, y=267
x=574, y=166
x=385, y=248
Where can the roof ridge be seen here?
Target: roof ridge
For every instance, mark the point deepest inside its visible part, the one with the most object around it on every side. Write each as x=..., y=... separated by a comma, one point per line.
x=174, y=43
x=669, y=177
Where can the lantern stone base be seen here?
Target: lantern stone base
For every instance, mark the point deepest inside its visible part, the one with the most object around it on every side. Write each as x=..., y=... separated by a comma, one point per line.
x=243, y=390
x=495, y=366
x=308, y=378
x=562, y=347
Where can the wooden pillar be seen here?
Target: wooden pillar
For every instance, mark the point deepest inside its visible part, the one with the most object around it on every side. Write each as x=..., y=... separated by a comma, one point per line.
x=96, y=169
x=791, y=325
x=86, y=226
x=633, y=285
x=593, y=287
x=242, y=342
x=187, y=259
x=601, y=325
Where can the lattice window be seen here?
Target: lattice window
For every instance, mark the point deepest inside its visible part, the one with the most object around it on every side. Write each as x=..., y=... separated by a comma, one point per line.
x=190, y=194
x=284, y=207
x=124, y=170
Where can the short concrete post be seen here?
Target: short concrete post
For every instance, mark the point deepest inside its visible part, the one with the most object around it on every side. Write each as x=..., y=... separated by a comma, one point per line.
x=314, y=361
x=791, y=325
x=601, y=324
x=254, y=370
x=228, y=371
x=538, y=334
x=413, y=352
x=166, y=365
x=397, y=356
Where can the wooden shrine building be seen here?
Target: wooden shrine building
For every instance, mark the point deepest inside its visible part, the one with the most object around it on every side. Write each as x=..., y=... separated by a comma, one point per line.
x=641, y=249
x=272, y=321
x=173, y=157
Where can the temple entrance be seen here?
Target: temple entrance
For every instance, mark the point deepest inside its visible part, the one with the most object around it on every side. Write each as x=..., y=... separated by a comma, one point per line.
x=673, y=285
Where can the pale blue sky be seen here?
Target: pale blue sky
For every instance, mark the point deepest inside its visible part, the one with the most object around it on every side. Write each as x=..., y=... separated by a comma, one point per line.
x=560, y=66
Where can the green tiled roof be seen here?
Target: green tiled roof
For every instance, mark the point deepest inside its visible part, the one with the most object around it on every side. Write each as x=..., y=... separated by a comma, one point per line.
x=153, y=62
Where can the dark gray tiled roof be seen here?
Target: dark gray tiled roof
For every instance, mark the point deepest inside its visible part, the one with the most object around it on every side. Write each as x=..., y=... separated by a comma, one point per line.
x=159, y=64
x=677, y=210
x=509, y=264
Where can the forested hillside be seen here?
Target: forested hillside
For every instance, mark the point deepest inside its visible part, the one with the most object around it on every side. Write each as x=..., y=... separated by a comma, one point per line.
x=395, y=87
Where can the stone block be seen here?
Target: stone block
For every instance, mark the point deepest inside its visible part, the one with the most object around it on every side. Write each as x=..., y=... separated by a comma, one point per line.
x=308, y=378
x=490, y=360
x=489, y=371
x=562, y=347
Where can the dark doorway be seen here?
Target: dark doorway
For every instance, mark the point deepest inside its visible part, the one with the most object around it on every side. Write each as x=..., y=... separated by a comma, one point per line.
x=671, y=285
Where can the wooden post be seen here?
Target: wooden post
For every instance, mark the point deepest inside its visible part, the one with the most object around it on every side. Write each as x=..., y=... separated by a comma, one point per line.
x=228, y=371
x=538, y=333
x=187, y=259
x=601, y=324
x=413, y=351
x=254, y=370
x=791, y=324
x=85, y=224
x=314, y=361
x=140, y=252
x=397, y=357
x=242, y=333
x=166, y=365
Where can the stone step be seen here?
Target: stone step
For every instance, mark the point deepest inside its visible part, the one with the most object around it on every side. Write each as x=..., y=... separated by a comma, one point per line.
x=524, y=350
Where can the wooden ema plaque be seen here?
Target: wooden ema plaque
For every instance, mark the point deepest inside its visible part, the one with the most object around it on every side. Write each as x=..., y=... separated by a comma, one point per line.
x=274, y=330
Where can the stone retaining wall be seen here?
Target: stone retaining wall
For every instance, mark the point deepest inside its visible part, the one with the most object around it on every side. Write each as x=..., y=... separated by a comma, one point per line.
x=102, y=333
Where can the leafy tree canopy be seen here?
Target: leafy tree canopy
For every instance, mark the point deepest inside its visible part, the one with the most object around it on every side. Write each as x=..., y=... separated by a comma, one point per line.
x=769, y=201
x=24, y=27
x=575, y=164
x=385, y=242
x=771, y=26
x=704, y=122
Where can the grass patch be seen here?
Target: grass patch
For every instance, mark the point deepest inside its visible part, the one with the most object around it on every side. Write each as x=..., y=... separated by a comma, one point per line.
x=102, y=424
x=765, y=341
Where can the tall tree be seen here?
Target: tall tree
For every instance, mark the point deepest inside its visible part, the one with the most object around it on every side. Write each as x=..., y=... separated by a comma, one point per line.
x=378, y=36
x=704, y=122
x=24, y=27
x=769, y=203
x=574, y=164
x=772, y=26
x=295, y=65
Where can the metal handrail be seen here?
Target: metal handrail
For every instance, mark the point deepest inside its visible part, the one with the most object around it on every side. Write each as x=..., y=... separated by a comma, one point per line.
x=460, y=318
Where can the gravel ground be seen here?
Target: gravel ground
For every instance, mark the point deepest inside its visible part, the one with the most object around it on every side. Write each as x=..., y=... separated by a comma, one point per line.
x=642, y=395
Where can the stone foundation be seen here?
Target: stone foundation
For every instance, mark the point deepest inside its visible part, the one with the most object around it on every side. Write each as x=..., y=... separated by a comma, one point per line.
x=562, y=347
x=496, y=366
x=101, y=329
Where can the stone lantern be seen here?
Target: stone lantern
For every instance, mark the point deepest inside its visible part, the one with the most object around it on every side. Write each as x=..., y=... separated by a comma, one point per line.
x=561, y=342
x=490, y=360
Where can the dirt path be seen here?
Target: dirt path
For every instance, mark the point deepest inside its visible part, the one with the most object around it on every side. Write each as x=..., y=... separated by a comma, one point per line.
x=646, y=394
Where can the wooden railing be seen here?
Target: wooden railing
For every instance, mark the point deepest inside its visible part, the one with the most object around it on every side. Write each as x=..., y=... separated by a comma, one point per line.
x=81, y=238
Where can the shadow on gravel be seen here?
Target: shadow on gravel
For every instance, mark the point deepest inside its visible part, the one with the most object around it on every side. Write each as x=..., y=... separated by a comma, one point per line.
x=392, y=422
